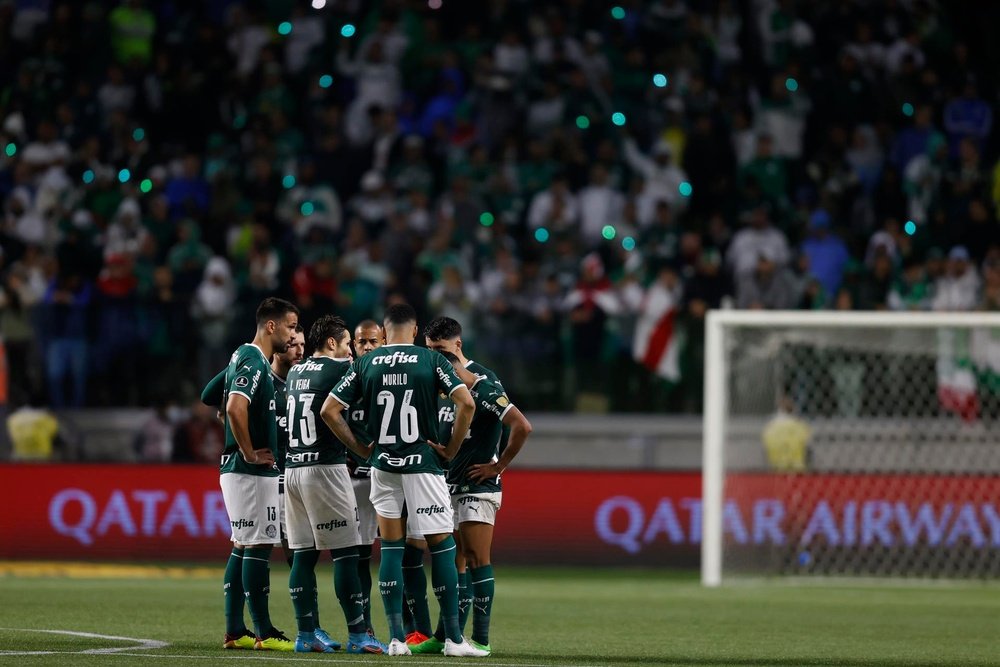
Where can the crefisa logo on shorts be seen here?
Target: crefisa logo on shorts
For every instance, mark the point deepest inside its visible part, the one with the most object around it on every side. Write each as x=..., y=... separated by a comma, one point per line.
x=242, y=523
x=271, y=530
x=330, y=525
x=433, y=509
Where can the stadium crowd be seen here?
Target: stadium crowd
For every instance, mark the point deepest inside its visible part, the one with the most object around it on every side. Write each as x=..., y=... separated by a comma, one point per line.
x=576, y=181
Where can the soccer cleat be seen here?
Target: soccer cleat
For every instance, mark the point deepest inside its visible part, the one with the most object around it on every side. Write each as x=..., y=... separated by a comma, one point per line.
x=245, y=641
x=397, y=647
x=431, y=646
x=362, y=642
x=311, y=645
x=323, y=636
x=416, y=637
x=481, y=647
x=274, y=641
x=463, y=650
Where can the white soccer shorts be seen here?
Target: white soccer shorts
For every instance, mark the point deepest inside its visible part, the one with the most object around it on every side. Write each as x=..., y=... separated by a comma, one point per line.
x=321, y=510
x=367, y=519
x=425, y=495
x=252, y=504
x=479, y=507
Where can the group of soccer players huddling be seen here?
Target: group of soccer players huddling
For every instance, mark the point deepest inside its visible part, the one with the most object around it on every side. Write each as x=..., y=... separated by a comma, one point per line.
x=387, y=440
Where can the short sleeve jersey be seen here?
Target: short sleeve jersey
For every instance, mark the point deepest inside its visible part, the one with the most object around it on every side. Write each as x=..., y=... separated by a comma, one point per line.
x=310, y=440
x=249, y=375
x=398, y=386
x=483, y=442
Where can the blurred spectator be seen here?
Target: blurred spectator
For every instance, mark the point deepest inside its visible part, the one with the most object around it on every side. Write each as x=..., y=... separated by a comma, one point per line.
x=826, y=253
x=64, y=323
x=958, y=289
x=155, y=440
x=769, y=286
x=199, y=438
x=757, y=238
x=212, y=311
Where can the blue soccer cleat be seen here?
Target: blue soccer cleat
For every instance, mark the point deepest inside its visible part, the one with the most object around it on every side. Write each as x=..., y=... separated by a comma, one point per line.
x=323, y=636
x=362, y=642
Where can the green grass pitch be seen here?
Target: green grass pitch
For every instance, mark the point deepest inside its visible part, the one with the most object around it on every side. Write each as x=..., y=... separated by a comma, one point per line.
x=541, y=617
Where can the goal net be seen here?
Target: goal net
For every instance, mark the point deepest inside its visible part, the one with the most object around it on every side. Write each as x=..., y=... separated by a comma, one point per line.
x=851, y=444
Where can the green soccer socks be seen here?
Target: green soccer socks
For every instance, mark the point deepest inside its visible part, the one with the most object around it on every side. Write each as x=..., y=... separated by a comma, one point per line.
x=302, y=588
x=444, y=579
x=390, y=584
x=482, y=602
x=257, y=586
x=232, y=589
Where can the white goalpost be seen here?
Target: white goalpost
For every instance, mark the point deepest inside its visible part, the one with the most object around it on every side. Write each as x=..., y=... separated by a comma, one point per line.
x=858, y=444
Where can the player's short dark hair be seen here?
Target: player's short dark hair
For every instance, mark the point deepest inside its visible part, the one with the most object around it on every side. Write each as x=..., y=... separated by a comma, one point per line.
x=273, y=308
x=443, y=328
x=450, y=356
x=400, y=313
x=368, y=324
x=328, y=326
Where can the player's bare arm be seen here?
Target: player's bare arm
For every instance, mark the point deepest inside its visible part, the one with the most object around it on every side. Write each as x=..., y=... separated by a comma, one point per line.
x=332, y=413
x=239, y=421
x=520, y=429
x=465, y=410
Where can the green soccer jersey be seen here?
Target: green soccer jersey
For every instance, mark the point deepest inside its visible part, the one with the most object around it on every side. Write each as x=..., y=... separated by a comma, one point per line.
x=398, y=385
x=249, y=375
x=310, y=440
x=483, y=442
x=215, y=390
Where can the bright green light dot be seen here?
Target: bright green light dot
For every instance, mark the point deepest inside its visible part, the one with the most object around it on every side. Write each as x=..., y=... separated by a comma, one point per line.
x=146, y=185
x=685, y=189
x=628, y=243
x=88, y=176
x=284, y=28
x=791, y=84
x=486, y=219
x=660, y=80
x=10, y=149
x=138, y=134
x=124, y=175
x=907, y=109
x=617, y=13
x=288, y=182
x=325, y=81
x=910, y=227
x=618, y=118
x=541, y=235
x=307, y=208
x=608, y=232
x=582, y=122
x=348, y=30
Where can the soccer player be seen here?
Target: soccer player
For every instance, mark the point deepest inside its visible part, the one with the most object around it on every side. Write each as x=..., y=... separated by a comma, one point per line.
x=368, y=336
x=249, y=477
x=476, y=494
x=399, y=383
x=322, y=512
x=443, y=334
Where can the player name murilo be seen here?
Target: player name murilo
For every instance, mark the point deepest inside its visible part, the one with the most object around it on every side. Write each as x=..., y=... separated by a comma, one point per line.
x=394, y=380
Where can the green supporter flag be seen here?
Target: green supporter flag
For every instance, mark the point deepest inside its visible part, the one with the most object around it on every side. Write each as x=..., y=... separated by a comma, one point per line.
x=398, y=386
x=310, y=440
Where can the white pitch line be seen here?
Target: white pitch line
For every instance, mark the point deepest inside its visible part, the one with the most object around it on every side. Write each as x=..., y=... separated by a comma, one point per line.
x=141, y=644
